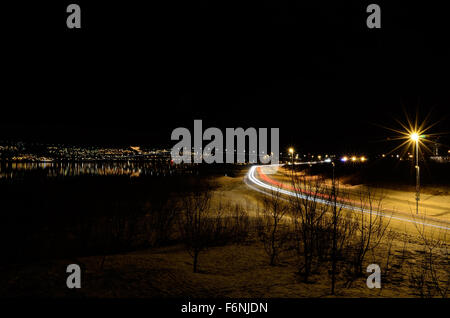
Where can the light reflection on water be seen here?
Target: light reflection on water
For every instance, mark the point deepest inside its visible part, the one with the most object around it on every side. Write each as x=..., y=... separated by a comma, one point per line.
x=12, y=170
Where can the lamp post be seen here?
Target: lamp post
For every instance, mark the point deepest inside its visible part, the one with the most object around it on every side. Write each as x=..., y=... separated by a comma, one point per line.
x=291, y=151
x=332, y=163
x=415, y=138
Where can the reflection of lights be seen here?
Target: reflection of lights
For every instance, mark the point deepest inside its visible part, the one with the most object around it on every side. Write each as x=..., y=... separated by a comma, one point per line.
x=344, y=159
x=327, y=160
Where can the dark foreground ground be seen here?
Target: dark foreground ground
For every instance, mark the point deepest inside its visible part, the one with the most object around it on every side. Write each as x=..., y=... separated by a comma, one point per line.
x=105, y=226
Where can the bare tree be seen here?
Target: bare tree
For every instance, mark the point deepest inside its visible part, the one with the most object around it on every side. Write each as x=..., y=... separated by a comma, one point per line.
x=342, y=229
x=308, y=212
x=431, y=275
x=273, y=229
x=371, y=227
x=196, y=227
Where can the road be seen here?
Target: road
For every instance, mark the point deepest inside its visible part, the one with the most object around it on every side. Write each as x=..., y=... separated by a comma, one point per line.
x=263, y=179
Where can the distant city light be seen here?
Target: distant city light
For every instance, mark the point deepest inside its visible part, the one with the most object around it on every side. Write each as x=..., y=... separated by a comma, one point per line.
x=344, y=159
x=363, y=159
x=354, y=158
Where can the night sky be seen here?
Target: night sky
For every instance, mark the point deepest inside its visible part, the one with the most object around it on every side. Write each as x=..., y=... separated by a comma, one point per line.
x=135, y=72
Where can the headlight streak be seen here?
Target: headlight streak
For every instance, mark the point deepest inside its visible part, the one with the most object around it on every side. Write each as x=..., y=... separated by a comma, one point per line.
x=253, y=179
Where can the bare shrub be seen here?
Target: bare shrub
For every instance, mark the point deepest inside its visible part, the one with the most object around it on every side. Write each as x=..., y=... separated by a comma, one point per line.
x=342, y=230
x=371, y=226
x=203, y=225
x=161, y=216
x=311, y=230
x=196, y=226
x=430, y=275
x=389, y=257
x=272, y=229
x=240, y=224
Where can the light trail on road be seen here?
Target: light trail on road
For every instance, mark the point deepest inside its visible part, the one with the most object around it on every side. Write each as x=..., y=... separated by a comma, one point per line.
x=253, y=179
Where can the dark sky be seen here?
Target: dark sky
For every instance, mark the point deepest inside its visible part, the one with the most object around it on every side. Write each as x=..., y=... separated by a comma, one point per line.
x=135, y=72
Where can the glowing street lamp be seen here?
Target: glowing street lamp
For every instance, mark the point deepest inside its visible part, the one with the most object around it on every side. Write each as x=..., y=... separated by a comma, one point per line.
x=414, y=133
x=414, y=137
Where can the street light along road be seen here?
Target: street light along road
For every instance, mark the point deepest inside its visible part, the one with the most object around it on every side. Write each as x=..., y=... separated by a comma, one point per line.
x=415, y=138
